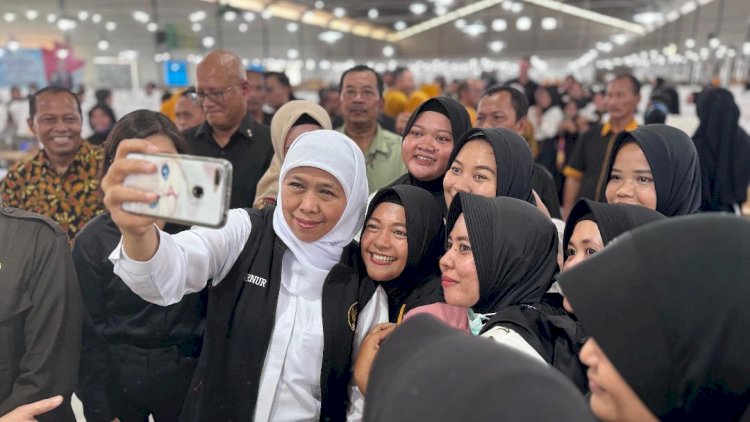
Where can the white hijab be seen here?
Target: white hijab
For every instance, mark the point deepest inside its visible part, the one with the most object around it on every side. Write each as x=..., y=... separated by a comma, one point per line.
x=338, y=155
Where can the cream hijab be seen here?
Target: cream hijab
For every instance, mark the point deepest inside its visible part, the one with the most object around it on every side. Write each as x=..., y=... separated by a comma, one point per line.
x=282, y=123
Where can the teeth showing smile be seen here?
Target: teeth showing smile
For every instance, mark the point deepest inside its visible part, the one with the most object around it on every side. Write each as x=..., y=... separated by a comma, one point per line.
x=384, y=258
x=423, y=158
x=60, y=138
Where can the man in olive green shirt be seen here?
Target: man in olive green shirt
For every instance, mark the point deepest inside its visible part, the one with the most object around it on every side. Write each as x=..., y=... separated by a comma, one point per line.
x=361, y=91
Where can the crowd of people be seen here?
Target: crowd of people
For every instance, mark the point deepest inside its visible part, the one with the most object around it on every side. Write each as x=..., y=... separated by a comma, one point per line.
x=471, y=250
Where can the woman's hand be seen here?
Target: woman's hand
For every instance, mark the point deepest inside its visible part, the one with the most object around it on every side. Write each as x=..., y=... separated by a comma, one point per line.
x=367, y=353
x=139, y=235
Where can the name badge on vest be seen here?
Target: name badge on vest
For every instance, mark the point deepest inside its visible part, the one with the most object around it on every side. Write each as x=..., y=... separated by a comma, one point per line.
x=254, y=279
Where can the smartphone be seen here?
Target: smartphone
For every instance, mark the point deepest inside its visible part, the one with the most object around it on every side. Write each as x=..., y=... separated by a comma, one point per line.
x=192, y=190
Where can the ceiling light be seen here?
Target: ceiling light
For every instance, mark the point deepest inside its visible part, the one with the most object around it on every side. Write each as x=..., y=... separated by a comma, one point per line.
x=292, y=27
x=714, y=42
x=266, y=14
x=230, y=15
x=83, y=15
x=648, y=18
x=373, y=13
x=516, y=8
x=704, y=2
x=619, y=39
x=731, y=53
x=688, y=7
x=319, y=4
x=9, y=17
x=523, y=23
x=51, y=18
x=507, y=5
x=248, y=16
x=243, y=27
x=499, y=25
x=292, y=53
x=704, y=53
x=62, y=53
x=110, y=26
x=13, y=44
x=102, y=44
x=339, y=12
x=400, y=25
x=310, y=64
x=460, y=23
x=330, y=36
x=440, y=10
x=475, y=29
x=496, y=46
x=388, y=51
x=31, y=14
x=746, y=48
x=604, y=47
x=324, y=65
x=141, y=16
x=96, y=18
x=65, y=24
x=196, y=27
x=197, y=16
x=548, y=24
x=689, y=43
x=673, y=16
x=208, y=41
x=417, y=8
x=152, y=27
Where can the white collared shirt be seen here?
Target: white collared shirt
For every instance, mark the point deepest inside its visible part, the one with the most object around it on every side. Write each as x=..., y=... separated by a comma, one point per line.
x=290, y=380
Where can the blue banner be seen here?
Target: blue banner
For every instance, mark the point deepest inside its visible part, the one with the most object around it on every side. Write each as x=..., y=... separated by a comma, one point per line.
x=22, y=67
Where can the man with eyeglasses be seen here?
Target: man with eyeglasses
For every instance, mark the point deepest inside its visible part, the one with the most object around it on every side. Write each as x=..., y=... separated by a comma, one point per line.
x=230, y=132
x=61, y=181
x=361, y=92
x=187, y=111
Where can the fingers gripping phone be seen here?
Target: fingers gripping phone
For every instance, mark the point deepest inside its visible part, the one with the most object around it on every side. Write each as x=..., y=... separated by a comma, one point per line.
x=192, y=190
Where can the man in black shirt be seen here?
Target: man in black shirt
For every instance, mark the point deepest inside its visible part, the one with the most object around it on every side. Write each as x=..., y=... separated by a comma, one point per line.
x=229, y=131
x=523, y=79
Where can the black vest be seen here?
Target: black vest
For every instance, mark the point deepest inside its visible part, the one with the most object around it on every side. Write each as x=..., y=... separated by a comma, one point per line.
x=241, y=317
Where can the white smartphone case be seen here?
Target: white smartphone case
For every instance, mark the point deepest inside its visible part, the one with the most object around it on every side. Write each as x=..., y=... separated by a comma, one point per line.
x=192, y=190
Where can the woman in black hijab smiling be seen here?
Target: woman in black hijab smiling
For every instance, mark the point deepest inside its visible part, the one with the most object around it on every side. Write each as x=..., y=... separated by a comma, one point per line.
x=724, y=151
x=490, y=162
x=500, y=260
x=446, y=375
x=655, y=166
x=401, y=243
x=669, y=324
x=428, y=142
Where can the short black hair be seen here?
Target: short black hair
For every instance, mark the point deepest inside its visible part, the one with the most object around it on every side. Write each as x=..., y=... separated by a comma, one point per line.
x=102, y=94
x=397, y=72
x=141, y=124
x=189, y=92
x=51, y=90
x=634, y=82
x=323, y=91
x=517, y=99
x=280, y=76
x=363, y=68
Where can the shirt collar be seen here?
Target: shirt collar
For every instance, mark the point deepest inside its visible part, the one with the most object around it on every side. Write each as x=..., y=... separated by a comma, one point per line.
x=41, y=158
x=245, y=130
x=607, y=128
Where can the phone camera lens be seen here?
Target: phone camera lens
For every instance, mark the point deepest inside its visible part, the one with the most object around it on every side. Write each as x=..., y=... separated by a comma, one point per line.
x=217, y=177
x=198, y=192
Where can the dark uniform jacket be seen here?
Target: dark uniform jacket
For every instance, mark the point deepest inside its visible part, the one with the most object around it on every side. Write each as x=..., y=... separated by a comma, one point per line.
x=249, y=150
x=40, y=313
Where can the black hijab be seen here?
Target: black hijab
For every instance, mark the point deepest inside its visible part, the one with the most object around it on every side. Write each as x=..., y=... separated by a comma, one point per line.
x=674, y=163
x=513, y=159
x=428, y=371
x=724, y=151
x=514, y=247
x=667, y=303
x=460, y=122
x=612, y=219
x=418, y=284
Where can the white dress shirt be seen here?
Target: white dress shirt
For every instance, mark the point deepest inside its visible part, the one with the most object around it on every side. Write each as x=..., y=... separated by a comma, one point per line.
x=290, y=380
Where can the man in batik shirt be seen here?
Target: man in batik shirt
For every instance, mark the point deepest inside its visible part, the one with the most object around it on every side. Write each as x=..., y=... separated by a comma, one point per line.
x=61, y=181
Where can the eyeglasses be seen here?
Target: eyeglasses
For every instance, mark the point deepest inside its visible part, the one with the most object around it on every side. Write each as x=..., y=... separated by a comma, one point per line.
x=351, y=93
x=216, y=95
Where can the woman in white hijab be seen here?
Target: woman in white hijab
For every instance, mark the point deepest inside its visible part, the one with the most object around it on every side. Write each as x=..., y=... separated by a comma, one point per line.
x=284, y=314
